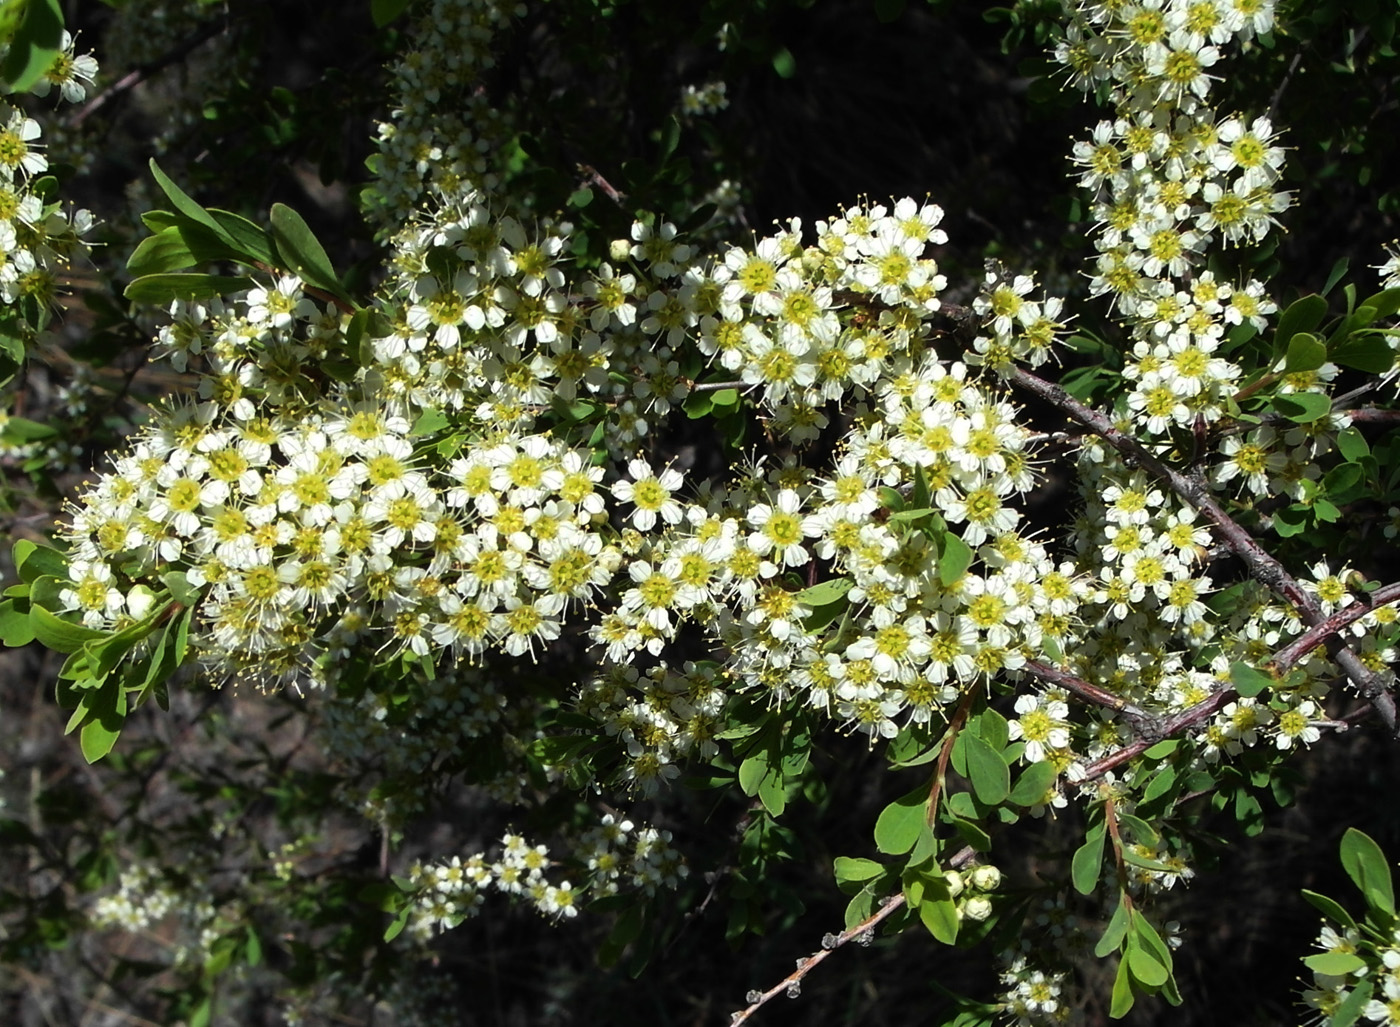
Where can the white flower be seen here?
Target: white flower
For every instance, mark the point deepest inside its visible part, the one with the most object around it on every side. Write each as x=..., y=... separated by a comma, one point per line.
x=650, y=494
x=1042, y=724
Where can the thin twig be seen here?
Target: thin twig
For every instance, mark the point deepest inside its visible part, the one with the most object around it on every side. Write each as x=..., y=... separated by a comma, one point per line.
x=1373, y=415
x=137, y=75
x=1088, y=692
x=945, y=752
x=591, y=175
x=792, y=983
x=1287, y=77
x=1319, y=633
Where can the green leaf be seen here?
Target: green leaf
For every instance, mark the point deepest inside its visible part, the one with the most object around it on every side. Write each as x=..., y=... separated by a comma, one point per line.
x=698, y=405
x=848, y=869
x=1088, y=861
x=953, y=560
x=35, y=45
x=773, y=793
x=302, y=252
x=1385, y=303
x=725, y=399
x=670, y=138
x=1141, y=829
x=1329, y=908
x=202, y=1012
x=993, y=729
x=1290, y=521
x=400, y=922
x=184, y=204
x=1249, y=682
x=958, y=757
x=1150, y=940
x=1306, y=352
x=940, y=916
x=180, y=588
x=1115, y=932
x=11, y=349
x=937, y=910
x=385, y=11
x=1364, y=351
x=1325, y=512
x=1338, y=272
x=19, y=430
x=924, y=848
x=1144, y=965
x=1366, y=865
x=1354, y=1005
x=824, y=593
x=159, y=253
x=1302, y=407
x=859, y=908
x=161, y=290
x=430, y=422
x=47, y=591
x=60, y=635
x=1163, y=749
x=1302, y=315
x=1122, y=992
x=910, y=514
x=973, y=834
x=98, y=736
x=15, y=626
x=34, y=561
x=182, y=635
x=752, y=772
x=1131, y=857
x=1334, y=964
x=250, y=243
x=897, y=828
x=991, y=780
x=1033, y=783
x=1161, y=783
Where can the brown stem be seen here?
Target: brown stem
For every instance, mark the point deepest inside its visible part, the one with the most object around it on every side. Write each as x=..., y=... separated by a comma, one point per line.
x=1254, y=387
x=1110, y=819
x=590, y=175
x=950, y=737
x=1373, y=415
x=1085, y=690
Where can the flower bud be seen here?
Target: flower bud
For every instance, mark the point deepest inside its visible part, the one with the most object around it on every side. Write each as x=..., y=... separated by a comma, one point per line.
x=977, y=908
x=985, y=878
x=955, y=883
x=619, y=249
x=139, y=601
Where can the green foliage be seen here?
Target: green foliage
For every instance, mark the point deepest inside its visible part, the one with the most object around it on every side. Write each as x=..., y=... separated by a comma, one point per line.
x=34, y=44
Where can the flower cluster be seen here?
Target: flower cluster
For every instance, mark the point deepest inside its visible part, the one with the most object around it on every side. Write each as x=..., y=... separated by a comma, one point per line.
x=443, y=134
x=1171, y=179
x=144, y=898
x=615, y=854
x=705, y=99
x=38, y=239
